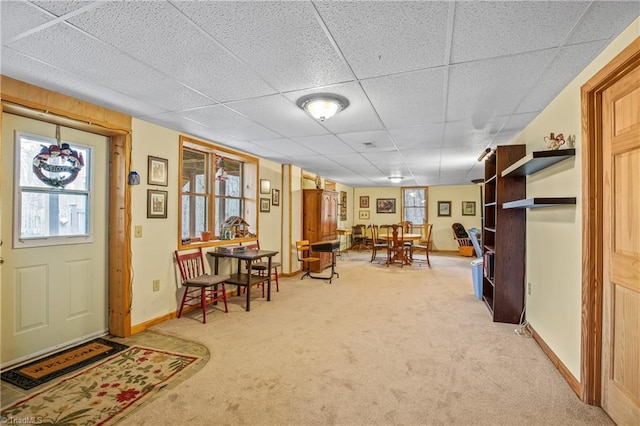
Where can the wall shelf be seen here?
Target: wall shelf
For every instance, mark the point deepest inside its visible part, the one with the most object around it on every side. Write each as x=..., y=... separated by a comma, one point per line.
x=537, y=161
x=537, y=202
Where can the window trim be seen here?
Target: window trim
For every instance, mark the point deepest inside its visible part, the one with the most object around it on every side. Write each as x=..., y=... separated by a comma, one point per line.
x=426, y=202
x=54, y=240
x=250, y=193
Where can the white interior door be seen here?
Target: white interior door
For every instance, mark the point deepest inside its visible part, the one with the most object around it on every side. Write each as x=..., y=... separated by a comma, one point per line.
x=621, y=250
x=54, y=293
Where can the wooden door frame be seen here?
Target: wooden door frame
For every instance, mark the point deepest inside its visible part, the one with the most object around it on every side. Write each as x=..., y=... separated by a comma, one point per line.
x=592, y=215
x=30, y=101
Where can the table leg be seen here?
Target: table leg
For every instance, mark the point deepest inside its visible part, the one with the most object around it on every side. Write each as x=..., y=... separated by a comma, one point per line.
x=269, y=279
x=248, y=285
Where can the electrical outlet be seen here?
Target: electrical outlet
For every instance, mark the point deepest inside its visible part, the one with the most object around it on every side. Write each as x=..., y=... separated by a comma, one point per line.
x=138, y=231
x=156, y=285
x=529, y=288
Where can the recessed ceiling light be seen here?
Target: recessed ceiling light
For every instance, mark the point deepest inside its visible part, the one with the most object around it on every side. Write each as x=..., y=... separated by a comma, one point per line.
x=395, y=179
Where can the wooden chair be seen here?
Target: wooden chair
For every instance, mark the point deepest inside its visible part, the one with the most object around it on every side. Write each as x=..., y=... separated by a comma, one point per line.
x=465, y=246
x=199, y=286
x=303, y=249
x=261, y=267
x=376, y=244
x=359, y=237
x=396, y=248
x=424, y=243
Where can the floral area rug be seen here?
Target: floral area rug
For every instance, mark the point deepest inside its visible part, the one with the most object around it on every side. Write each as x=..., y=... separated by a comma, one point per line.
x=102, y=392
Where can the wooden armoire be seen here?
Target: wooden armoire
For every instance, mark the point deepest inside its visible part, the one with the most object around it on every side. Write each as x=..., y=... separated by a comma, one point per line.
x=320, y=221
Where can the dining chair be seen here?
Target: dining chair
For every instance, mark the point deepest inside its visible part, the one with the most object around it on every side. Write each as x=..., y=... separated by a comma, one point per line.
x=396, y=248
x=261, y=267
x=376, y=243
x=199, y=286
x=359, y=237
x=303, y=249
x=424, y=244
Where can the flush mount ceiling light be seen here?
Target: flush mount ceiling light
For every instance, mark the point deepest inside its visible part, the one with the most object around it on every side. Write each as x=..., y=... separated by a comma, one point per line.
x=323, y=105
x=395, y=179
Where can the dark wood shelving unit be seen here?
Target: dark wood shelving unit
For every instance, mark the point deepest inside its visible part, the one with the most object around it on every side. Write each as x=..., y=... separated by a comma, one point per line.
x=503, y=236
x=537, y=161
x=537, y=202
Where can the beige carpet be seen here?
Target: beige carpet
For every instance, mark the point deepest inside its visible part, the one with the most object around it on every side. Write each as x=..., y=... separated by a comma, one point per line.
x=379, y=346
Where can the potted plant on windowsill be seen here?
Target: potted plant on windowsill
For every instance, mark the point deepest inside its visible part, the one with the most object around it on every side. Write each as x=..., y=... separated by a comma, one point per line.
x=205, y=235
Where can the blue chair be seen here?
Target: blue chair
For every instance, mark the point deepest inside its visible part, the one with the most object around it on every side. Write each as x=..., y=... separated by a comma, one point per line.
x=476, y=236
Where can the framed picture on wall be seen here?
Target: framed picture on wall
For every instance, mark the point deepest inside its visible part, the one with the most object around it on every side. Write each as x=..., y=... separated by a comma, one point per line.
x=468, y=208
x=385, y=205
x=265, y=205
x=157, y=171
x=265, y=186
x=444, y=208
x=156, y=204
x=364, y=214
x=364, y=202
x=275, y=197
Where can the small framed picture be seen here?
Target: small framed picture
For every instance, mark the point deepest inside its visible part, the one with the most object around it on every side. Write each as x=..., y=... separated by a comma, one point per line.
x=156, y=204
x=275, y=197
x=364, y=202
x=265, y=206
x=385, y=205
x=157, y=171
x=363, y=214
x=265, y=186
x=468, y=208
x=444, y=208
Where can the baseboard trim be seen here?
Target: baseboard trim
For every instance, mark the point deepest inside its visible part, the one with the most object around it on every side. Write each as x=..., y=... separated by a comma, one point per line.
x=139, y=328
x=564, y=371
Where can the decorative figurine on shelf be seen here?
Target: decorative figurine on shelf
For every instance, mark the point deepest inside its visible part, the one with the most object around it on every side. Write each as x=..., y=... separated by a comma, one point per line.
x=318, y=182
x=554, y=142
x=571, y=141
x=221, y=171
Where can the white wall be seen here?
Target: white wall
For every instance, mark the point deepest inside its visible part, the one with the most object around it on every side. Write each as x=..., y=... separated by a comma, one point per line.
x=554, y=235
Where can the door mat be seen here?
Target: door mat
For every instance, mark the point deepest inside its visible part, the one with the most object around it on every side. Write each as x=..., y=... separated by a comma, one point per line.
x=104, y=393
x=41, y=371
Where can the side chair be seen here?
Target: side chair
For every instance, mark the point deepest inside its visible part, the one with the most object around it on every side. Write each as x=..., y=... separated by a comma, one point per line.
x=303, y=249
x=424, y=243
x=376, y=243
x=199, y=286
x=359, y=237
x=261, y=267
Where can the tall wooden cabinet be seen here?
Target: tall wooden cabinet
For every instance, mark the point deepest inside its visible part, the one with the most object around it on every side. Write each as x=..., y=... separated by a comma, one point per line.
x=503, y=237
x=320, y=221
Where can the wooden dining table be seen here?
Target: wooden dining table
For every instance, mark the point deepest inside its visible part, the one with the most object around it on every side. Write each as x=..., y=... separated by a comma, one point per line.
x=398, y=241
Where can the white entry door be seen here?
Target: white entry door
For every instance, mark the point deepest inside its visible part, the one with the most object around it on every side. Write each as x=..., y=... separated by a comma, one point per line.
x=54, y=277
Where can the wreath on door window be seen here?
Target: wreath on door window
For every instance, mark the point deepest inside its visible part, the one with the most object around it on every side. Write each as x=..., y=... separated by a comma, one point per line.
x=65, y=168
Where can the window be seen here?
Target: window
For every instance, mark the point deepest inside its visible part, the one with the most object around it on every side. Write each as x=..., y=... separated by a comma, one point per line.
x=51, y=206
x=215, y=185
x=414, y=205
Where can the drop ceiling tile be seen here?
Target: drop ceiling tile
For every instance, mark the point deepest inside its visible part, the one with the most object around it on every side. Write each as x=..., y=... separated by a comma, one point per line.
x=60, y=8
x=493, y=86
x=466, y=134
x=454, y=158
x=229, y=122
x=27, y=69
x=70, y=50
x=518, y=122
x=260, y=149
x=408, y=99
x=282, y=41
x=564, y=68
x=180, y=50
x=379, y=38
x=420, y=158
x=492, y=29
x=392, y=162
x=325, y=144
x=426, y=136
x=18, y=17
x=605, y=20
x=286, y=147
x=359, y=115
x=378, y=138
x=279, y=114
x=349, y=160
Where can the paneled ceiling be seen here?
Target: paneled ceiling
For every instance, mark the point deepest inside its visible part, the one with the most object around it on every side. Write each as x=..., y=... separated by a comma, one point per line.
x=430, y=84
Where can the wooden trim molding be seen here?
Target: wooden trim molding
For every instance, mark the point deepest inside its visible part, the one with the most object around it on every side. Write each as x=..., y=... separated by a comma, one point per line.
x=564, y=371
x=41, y=104
x=592, y=231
